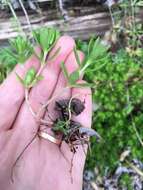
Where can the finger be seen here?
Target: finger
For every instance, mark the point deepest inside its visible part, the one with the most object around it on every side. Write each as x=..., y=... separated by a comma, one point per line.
x=12, y=93
x=61, y=93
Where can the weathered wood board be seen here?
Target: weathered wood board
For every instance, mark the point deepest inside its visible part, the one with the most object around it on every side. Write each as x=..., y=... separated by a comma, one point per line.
x=83, y=22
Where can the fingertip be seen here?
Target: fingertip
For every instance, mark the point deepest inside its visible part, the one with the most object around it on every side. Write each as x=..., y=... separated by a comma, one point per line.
x=68, y=39
x=65, y=43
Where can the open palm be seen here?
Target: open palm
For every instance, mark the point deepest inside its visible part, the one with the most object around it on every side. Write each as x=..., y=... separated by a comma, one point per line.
x=42, y=166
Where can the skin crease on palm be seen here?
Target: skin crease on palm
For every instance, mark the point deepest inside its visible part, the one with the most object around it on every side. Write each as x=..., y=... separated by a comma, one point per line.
x=42, y=166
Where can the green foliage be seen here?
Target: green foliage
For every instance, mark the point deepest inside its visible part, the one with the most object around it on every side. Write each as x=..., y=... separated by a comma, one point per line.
x=60, y=126
x=46, y=38
x=126, y=28
x=118, y=95
x=6, y=57
x=30, y=78
x=118, y=98
x=19, y=51
x=7, y=63
x=3, y=73
x=125, y=182
x=94, y=51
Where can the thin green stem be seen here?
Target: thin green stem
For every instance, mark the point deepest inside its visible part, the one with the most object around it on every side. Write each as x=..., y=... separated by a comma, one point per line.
x=137, y=134
x=43, y=62
x=133, y=22
x=84, y=68
x=15, y=17
x=137, y=170
x=28, y=102
x=51, y=99
x=111, y=15
x=26, y=15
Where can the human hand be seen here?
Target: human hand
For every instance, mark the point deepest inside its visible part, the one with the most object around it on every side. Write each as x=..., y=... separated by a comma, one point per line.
x=42, y=166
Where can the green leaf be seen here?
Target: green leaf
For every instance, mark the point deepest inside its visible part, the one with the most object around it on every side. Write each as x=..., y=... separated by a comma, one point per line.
x=83, y=46
x=43, y=39
x=55, y=54
x=77, y=57
x=74, y=76
x=96, y=49
x=20, y=79
x=36, y=35
x=29, y=77
x=40, y=77
x=21, y=49
x=7, y=58
x=83, y=85
x=90, y=45
x=64, y=70
x=52, y=33
x=129, y=109
x=37, y=79
x=46, y=38
x=60, y=126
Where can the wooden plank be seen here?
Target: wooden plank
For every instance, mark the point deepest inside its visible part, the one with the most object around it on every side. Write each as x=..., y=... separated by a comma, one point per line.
x=82, y=26
x=83, y=22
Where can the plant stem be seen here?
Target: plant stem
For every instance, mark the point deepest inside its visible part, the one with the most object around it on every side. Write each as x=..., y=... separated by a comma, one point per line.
x=43, y=62
x=63, y=11
x=85, y=66
x=50, y=100
x=40, y=71
x=46, y=122
x=133, y=22
x=37, y=115
x=137, y=170
x=111, y=15
x=15, y=17
x=28, y=103
x=21, y=153
x=26, y=15
x=137, y=134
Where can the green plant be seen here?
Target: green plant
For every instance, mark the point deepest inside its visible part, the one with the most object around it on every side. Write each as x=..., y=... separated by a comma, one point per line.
x=127, y=27
x=126, y=182
x=7, y=63
x=118, y=94
x=21, y=49
x=118, y=98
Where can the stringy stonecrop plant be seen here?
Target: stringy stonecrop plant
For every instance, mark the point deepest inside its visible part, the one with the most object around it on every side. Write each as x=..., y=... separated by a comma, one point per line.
x=21, y=49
